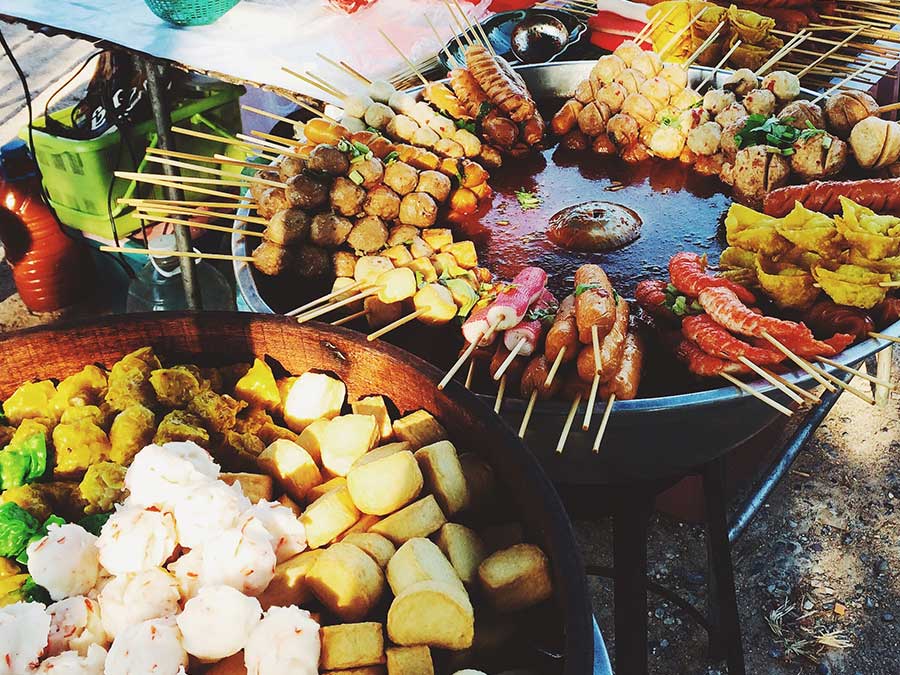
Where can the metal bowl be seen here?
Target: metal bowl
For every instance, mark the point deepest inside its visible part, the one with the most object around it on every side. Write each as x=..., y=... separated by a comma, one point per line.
x=646, y=437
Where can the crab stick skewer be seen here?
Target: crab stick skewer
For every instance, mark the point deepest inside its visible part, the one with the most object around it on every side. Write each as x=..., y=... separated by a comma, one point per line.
x=525, y=337
x=510, y=306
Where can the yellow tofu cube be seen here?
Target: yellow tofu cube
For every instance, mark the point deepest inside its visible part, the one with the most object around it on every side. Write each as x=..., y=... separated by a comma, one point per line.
x=516, y=577
x=255, y=486
x=311, y=397
x=444, y=475
x=419, y=519
x=324, y=488
x=480, y=482
x=379, y=548
x=464, y=252
x=463, y=548
x=381, y=451
x=292, y=467
x=432, y=613
x=288, y=586
x=419, y=428
x=399, y=255
x=418, y=560
x=351, y=645
x=346, y=439
x=258, y=387
x=409, y=661
x=385, y=484
x=311, y=439
x=437, y=237
x=424, y=267
x=370, y=267
x=328, y=516
x=364, y=524
x=347, y=581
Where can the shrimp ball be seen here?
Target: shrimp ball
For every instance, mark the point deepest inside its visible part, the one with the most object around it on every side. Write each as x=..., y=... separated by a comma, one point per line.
x=716, y=100
x=402, y=127
x=675, y=75
x=686, y=98
x=647, y=63
x=24, y=627
x=286, y=532
x=657, y=89
x=64, y=562
x=623, y=129
x=692, y=118
x=631, y=79
x=186, y=571
x=346, y=196
x=353, y=124
x=218, y=622
x=640, y=108
x=419, y=209
x=371, y=170
x=356, y=105
x=149, y=647
x=760, y=102
x=422, y=113
x=705, y=139
x=401, y=102
x=785, y=85
x=135, y=539
x=285, y=641
x=607, y=67
x=206, y=510
x=383, y=202
x=129, y=599
x=628, y=51
x=666, y=142
x=381, y=91
x=435, y=184
x=733, y=112
x=378, y=115
x=242, y=558
x=75, y=625
x=401, y=177
x=613, y=95
x=425, y=137
x=73, y=663
x=741, y=82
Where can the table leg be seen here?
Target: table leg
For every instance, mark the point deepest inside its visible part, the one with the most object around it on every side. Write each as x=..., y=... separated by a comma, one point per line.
x=631, y=519
x=724, y=622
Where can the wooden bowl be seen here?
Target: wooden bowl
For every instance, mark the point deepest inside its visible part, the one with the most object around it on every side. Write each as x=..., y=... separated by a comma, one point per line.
x=219, y=338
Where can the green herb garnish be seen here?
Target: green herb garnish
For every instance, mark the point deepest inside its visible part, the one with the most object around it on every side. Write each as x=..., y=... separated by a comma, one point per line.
x=356, y=177
x=528, y=200
x=582, y=288
x=776, y=134
x=391, y=157
x=468, y=125
x=483, y=110
x=17, y=526
x=94, y=522
x=544, y=315
x=678, y=304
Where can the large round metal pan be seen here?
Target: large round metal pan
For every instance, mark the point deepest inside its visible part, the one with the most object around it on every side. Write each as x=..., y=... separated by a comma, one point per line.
x=219, y=338
x=646, y=437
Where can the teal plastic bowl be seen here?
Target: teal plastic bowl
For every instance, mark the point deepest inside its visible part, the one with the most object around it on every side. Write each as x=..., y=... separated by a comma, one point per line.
x=190, y=12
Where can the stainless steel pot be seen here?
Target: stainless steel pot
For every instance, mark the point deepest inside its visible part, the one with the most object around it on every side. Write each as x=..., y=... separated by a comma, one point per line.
x=646, y=437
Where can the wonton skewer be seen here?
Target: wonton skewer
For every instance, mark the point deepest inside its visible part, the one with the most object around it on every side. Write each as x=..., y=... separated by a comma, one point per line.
x=674, y=40
x=713, y=36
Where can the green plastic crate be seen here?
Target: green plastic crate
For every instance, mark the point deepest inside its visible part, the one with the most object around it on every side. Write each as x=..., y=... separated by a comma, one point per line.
x=77, y=172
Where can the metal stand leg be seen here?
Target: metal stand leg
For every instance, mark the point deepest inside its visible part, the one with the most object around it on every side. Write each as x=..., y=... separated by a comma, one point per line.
x=166, y=142
x=724, y=622
x=631, y=521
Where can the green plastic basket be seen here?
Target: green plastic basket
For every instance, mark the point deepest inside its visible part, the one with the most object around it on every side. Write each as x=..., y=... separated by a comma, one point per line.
x=190, y=12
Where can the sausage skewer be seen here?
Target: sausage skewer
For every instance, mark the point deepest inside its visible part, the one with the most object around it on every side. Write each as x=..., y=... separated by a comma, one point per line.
x=510, y=306
x=534, y=384
x=524, y=338
x=562, y=338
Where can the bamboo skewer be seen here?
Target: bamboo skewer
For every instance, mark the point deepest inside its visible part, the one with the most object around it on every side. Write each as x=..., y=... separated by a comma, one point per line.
x=402, y=321
x=746, y=388
x=470, y=373
x=316, y=313
x=227, y=141
x=674, y=40
x=187, y=180
x=781, y=53
x=855, y=372
x=349, y=318
x=715, y=69
x=829, y=92
x=315, y=111
x=408, y=62
x=200, y=226
x=595, y=343
x=808, y=395
x=830, y=52
x=271, y=115
x=712, y=37
x=271, y=146
x=340, y=94
x=851, y=389
x=882, y=336
x=507, y=362
x=321, y=87
x=598, y=439
x=771, y=379
x=567, y=427
x=464, y=357
x=203, y=158
x=804, y=364
x=501, y=390
x=214, y=172
x=889, y=107
x=860, y=46
x=527, y=416
x=162, y=253
x=476, y=27
x=352, y=73
x=350, y=69
x=553, y=368
x=175, y=202
x=225, y=159
x=183, y=211
x=563, y=8
x=646, y=33
x=441, y=43
x=324, y=298
x=274, y=138
x=176, y=184
x=592, y=399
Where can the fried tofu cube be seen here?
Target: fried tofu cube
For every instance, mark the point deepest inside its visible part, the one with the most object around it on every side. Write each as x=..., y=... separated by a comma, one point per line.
x=364, y=524
x=433, y=613
x=233, y=665
x=379, y=548
x=255, y=486
x=516, y=577
x=288, y=586
x=398, y=254
x=292, y=467
x=385, y=484
x=418, y=560
x=284, y=386
x=258, y=387
x=347, y=581
x=424, y=267
x=419, y=428
x=370, y=267
x=419, y=519
x=328, y=516
x=310, y=439
x=311, y=397
x=444, y=475
x=270, y=432
x=480, y=482
x=346, y=439
x=437, y=237
x=344, y=263
x=409, y=661
x=377, y=408
x=324, y=488
x=396, y=285
x=350, y=645
x=379, y=313
x=289, y=503
x=463, y=548
x=382, y=451
x=464, y=252
x=419, y=248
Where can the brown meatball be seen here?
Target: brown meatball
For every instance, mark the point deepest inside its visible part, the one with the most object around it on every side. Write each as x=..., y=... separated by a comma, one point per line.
x=311, y=261
x=271, y=259
x=818, y=156
x=290, y=166
x=344, y=263
x=729, y=138
x=623, y=129
x=329, y=159
x=798, y=113
x=368, y=235
x=382, y=202
x=272, y=201
x=434, y=183
x=575, y=140
x=347, y=197
x=371, y=170
x=306, y=192
x=401, y=177
x=756, y=172
x=500, y=131
x=257, y=189
x=846, y=108
x=329, y=229
x=288, y=226
x=419, y=209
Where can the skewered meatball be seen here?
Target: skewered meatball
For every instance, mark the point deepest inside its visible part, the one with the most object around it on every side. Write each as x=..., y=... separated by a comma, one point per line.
x=760, y=102
x=443, y=126
x=257, y=189
x=435, y=184
x=356, y=105
x=401, y=102
x=378, y=115
x=666, y=142
x=585, y=92
x=368, y=235
x=628, y=51
x=798, y=113
x=686, y=98
x=419, y=209
x=346, y=196
x=287, y=227
x=846, y=108
x=623, y=129
x=343, y=263
x=675, y=75
x=371, y=170
x=289, y=167
x=741, y=82
x=692, y=118
x=575, y=140
x=425, y=137
x=470, y=143
x=271, y=259
x=381, y=91
x=329, y=159
x=592, y=119
x=647, y=63
x=401, y=177
x=329, y=229
x=785, y=85
x=640, y=108
x=716, y=100
x=704, y=140
x=273, y=200
x=402, y=127
x=607, y=67
x=757, y=172
x=422, y=113
x=382, y=202
x=657, y=89
x=729, y=138
x=447, y=147
x=631, y=79
x=311, y=261
x=613, y=95
x=305, y=192
x=353, y=124
x=818, y=156
x=875, y=142
x=733, y=112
